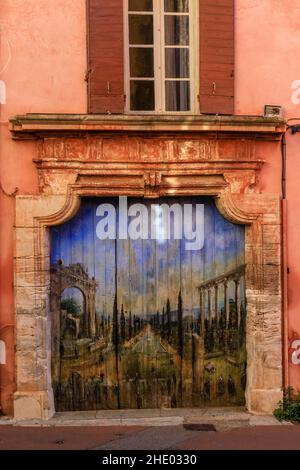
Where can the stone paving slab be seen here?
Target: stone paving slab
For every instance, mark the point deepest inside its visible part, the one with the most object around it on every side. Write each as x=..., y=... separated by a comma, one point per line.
x=166, y=438
x=147, y=438
x=61, y=438
x=249, y=438
x=222, y=419
x=261, y=420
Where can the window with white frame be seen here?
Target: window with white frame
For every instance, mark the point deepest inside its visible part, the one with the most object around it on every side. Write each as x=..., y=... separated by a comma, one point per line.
x=160, y=56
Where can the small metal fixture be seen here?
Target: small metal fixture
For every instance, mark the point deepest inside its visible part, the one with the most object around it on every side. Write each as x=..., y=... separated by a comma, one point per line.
x=294, y=125
x=295, y=129
x=272, y=111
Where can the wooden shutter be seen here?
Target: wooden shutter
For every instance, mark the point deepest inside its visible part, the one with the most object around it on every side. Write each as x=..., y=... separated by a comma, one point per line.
x=105, y=49
x=217, y=56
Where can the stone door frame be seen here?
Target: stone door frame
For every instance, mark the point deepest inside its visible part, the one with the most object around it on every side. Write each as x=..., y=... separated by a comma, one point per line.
x=72, y=168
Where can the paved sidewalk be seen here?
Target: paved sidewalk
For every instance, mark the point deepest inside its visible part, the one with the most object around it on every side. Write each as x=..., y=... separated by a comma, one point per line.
x=61, y=438
x=148, y=438
x=230, y=428
x=255, y=438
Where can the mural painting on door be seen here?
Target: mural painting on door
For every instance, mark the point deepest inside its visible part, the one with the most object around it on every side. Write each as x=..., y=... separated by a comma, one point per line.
x=146, y=323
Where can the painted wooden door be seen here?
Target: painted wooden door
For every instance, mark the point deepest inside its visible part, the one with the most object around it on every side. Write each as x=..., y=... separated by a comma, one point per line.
x=148, y=306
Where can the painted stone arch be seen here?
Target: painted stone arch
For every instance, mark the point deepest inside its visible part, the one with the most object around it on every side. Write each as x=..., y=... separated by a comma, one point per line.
x=74, y=313
x=68, y=277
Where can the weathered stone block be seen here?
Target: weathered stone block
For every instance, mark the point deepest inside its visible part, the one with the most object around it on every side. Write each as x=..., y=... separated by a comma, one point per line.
x=263, y=401
x=272, y=233
x=25, y=298
x=272, y=279
x=272, y=254
x=33, y=405
x=31, y=369
x=272, y=378
x=26, y=325
x=29, y=207
x=24, y=239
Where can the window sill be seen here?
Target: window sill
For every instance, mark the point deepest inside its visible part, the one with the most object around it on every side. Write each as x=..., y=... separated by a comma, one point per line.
x=32, y=126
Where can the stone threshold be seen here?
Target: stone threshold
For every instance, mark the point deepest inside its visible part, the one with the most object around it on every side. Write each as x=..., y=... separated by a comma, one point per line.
x=221, y=418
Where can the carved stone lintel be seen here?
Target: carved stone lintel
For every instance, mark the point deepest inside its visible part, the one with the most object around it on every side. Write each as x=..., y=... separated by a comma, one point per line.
x=152, y=182
x=141, y=149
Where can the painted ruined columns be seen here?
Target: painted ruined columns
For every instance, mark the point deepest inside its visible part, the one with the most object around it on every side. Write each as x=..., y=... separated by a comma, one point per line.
x=211, y=288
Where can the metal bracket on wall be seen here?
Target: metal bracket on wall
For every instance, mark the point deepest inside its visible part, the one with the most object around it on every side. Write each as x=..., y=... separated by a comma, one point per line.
x=295, y=129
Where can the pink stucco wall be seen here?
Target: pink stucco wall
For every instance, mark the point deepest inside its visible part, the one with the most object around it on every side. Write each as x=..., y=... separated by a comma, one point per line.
x=267, y=41
x=43, y=64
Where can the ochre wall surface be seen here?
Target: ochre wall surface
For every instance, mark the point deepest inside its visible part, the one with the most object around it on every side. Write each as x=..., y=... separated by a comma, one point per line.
x=43, y=65
x=267, y=36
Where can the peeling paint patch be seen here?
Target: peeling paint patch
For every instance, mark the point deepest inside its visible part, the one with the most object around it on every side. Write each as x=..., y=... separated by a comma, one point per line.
x=2, y=92
x=296, y=353
x=2, y=353
x=296, y=93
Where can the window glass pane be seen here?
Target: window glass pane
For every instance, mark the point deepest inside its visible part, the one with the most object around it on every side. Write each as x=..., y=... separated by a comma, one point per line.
x=181, y=6
x=177, y=96
x=140, y=5
x=177, y=63
x=141, y=62
x=140, y=29
x=176, y=30
x=142, y=95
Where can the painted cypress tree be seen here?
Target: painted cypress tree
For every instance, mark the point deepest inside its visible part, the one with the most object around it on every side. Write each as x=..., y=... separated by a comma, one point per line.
x=199, y=325
x=115, y=341
x=123, y=324
x=163, y=318
x=130, y=326
x=157, y=319
x=115, y=335
x=180, y=326
x=168, y=319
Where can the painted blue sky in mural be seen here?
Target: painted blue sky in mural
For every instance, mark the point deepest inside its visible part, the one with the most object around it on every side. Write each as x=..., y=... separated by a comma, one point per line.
x=148, y=271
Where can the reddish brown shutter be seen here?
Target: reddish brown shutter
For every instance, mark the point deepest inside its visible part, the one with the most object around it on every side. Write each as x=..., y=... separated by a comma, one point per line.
x=105, y=46
x=217, y=56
